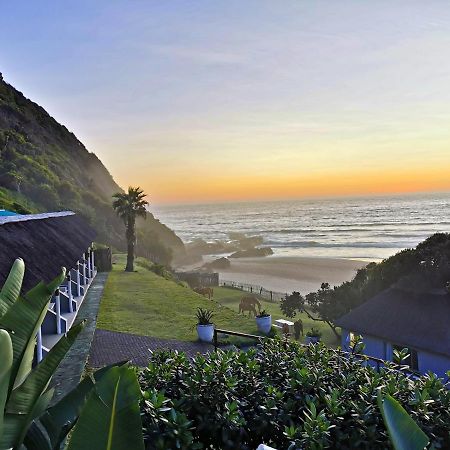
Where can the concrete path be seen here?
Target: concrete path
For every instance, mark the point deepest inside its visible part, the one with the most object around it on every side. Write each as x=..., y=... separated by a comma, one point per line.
x=109, y=347
x=70, y=370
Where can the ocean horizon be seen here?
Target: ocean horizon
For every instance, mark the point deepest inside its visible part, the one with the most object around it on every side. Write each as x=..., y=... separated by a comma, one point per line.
x=365, y=228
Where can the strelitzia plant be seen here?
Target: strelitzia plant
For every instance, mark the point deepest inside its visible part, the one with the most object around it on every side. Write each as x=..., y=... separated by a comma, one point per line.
x=105, y=407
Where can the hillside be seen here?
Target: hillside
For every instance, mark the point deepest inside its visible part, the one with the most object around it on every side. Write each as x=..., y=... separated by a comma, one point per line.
x=43, y=166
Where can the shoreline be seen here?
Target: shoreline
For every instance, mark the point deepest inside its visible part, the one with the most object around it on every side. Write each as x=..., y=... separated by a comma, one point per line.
x=289, y=273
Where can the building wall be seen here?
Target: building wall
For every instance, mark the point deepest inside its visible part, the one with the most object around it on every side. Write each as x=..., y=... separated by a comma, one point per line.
x=438, y=364
x=377, y=348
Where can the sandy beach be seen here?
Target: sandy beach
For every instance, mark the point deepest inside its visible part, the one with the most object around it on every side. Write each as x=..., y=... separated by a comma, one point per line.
x=289, y=273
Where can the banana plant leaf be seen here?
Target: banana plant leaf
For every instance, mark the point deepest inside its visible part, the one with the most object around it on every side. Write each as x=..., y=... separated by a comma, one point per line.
x=110, y=419
x=6, y=352
x=24, y=396
x=11, y=289
x=21, y=406
x=25, y=317
x=405, y=434
x=59, y=419
x=36, y=438
x=14, y=422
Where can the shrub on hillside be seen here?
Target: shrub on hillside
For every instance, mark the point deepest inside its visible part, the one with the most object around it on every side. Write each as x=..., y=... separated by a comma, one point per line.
x=284, y=395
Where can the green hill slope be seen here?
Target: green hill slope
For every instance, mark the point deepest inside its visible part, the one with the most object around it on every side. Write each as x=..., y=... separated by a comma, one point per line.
x=43, y=166
x=147, y=304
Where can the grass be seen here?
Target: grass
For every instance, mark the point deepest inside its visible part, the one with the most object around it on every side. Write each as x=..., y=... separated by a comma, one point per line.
x=147, y=304
x=230, y=298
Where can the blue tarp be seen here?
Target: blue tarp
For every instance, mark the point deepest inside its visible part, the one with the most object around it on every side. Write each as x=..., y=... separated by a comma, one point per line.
x=4, y=212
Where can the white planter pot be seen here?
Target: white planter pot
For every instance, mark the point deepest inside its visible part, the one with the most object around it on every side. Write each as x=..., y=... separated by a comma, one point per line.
x=205, y=332
x=264, y=324
x=312, y=339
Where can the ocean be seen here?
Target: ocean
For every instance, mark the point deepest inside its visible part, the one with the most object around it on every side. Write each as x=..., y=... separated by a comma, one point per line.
x=355, y=228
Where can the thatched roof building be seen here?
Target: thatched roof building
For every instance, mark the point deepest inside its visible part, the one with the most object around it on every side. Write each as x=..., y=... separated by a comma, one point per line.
x=419, y=320
x=46, y=242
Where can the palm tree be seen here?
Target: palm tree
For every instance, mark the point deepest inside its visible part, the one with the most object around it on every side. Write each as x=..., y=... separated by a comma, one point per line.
x=128, y=206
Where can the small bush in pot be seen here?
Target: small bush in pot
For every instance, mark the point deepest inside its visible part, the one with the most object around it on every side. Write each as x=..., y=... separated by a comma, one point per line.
x=205, y=327
x=313, y=336
x=264, y=322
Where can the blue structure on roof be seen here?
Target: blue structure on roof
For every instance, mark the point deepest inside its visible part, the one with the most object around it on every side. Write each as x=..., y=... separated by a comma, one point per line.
x=5, y=212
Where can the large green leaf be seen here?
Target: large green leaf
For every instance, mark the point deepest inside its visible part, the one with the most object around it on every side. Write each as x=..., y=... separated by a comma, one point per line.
x=6, y=352
x=110, y=419
x=61, y=417
x=15, y=422
x=23, y=397
x=36, y=438
x=405, y=434
x=25, y=317
x=11, y=289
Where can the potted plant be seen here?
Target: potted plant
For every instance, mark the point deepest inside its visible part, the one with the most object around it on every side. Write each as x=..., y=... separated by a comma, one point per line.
x=205, y=328
x=313, y=336
x=264, y=322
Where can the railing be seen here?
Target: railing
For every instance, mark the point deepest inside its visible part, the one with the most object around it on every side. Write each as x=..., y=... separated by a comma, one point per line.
x=378, y=362
x=272, y=296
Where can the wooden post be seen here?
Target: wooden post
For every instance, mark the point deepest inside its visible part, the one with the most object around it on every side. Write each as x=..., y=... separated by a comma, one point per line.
x=39, y=345
x=69, y=291
x=89, y=269
x=84, y=270
x=78, y=280
x=92, y=262
x=271, y=296
x=215, y=340
x=58, y=311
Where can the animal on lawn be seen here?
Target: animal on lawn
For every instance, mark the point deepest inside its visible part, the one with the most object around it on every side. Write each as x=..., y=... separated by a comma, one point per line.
x=206, y=291
x=249, y=303
x=298, y=328
x=247, y=307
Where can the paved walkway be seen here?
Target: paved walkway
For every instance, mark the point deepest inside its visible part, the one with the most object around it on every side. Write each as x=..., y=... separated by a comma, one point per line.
x=69, y=372
x=109, y=347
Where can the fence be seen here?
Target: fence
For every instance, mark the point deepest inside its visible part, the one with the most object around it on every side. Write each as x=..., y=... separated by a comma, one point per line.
x=271, y=296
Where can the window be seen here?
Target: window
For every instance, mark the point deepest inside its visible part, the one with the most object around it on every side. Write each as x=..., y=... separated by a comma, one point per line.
x=413, y=360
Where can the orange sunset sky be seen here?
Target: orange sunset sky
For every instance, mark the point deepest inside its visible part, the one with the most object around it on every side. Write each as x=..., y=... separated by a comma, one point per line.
x=230, y=100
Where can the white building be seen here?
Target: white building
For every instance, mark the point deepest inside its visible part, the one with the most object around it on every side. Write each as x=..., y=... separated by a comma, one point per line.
x=397, y=318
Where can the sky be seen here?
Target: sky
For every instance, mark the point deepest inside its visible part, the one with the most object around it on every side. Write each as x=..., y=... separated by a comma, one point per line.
x=204, y=101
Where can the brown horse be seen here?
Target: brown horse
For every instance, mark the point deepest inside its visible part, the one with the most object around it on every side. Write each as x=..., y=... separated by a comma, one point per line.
x=249, y=303
x=298, y=328
x=206, y=291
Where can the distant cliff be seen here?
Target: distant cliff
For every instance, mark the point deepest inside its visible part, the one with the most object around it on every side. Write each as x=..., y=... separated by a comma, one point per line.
x=43, y=166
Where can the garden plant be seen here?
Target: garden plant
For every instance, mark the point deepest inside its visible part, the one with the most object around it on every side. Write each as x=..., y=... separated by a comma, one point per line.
x=287, y=396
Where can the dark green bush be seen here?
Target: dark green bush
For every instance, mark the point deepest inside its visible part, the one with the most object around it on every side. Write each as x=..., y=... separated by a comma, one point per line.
x=284, y=395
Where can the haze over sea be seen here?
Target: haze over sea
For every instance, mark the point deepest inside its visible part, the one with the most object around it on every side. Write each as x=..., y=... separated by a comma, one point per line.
x=352, y=228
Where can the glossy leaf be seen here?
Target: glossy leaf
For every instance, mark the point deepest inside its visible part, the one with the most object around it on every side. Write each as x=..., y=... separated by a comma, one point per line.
x=6, y=352
x=16, y=425
x=110, y=420
x=25, y=317
x=23, y=398
x=11, y=289
x=59, y=419
x=405, y=434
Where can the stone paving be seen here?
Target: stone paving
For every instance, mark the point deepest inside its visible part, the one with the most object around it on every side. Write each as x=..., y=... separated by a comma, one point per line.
x=109, y=347
x=72, y=367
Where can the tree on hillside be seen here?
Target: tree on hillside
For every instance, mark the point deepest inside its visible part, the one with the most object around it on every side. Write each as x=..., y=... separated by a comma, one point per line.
x=128, y=206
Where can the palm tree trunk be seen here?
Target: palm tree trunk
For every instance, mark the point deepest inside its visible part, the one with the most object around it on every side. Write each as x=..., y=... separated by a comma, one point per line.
x=131, y=239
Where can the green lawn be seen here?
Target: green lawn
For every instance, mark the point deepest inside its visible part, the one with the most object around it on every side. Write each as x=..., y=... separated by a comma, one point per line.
x=147, y=304
x=230, y=298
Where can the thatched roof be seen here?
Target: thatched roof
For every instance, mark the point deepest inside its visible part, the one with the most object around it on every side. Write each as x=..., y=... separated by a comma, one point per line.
x=419, y=320
x=46, y=242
